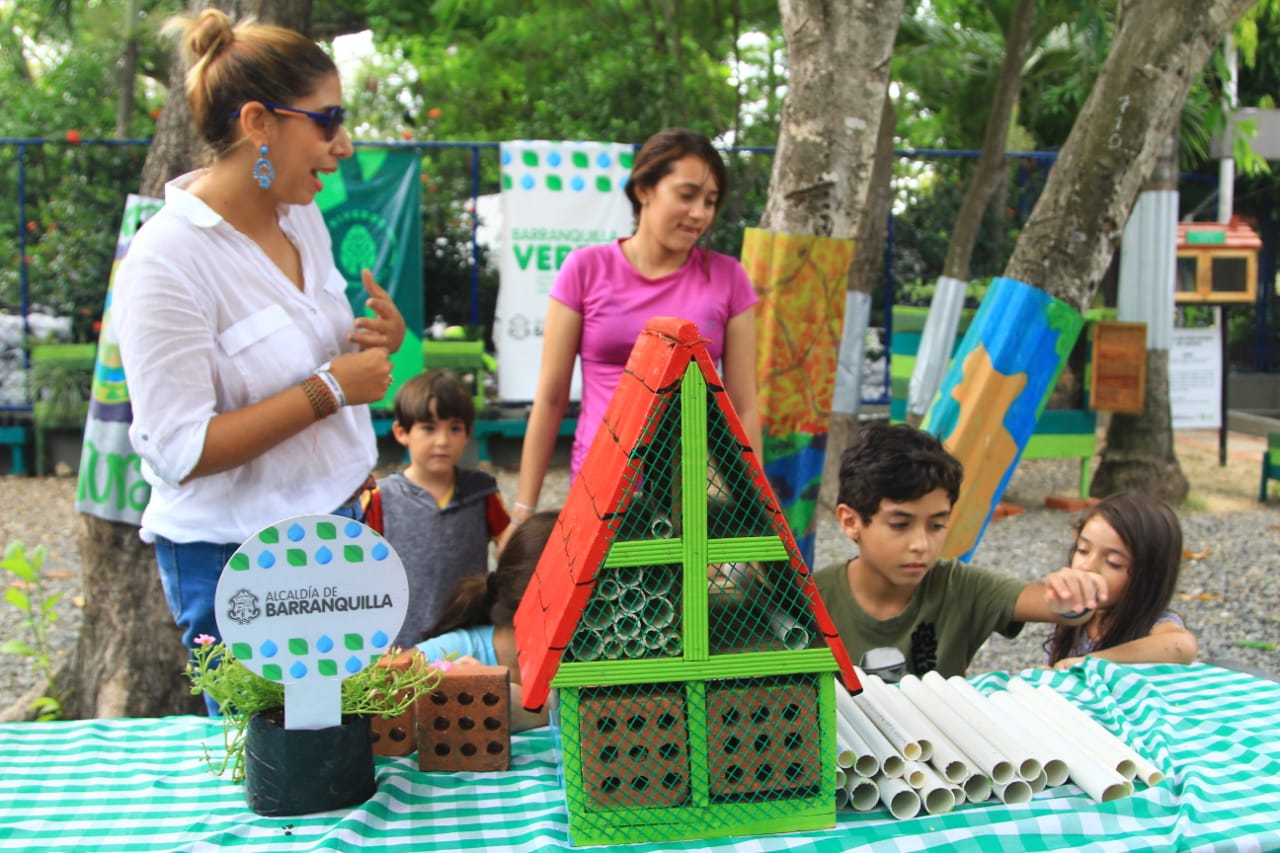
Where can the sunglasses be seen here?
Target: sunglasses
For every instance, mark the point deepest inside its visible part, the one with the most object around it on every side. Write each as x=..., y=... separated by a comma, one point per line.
x=329, y=121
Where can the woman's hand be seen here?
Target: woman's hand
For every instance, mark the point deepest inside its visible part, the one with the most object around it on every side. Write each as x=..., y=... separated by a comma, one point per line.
x=364, y=376
x=1067, y=663
x=386, y=328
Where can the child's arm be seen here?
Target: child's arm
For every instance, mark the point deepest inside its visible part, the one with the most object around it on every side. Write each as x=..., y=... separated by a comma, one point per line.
x=1068, y=597
x=1168, y=642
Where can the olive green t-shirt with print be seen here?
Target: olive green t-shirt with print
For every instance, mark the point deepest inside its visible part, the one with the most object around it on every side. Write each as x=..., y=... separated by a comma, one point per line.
x=950, y=615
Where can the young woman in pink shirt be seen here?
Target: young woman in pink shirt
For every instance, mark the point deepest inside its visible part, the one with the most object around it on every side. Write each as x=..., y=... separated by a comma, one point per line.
x=604, y=295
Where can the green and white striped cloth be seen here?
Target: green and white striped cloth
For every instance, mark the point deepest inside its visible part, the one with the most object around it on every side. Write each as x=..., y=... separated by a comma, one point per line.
x=143, y=784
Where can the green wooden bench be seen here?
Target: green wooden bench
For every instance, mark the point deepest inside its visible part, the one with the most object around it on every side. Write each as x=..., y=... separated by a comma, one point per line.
x=1059, y=433
x=1270, y=463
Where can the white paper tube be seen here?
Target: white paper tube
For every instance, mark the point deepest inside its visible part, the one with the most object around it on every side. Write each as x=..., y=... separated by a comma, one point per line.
x=1053, y=764
x=937, y=793
x=990, y=756
x=891, y=762
x=864, y=794
x=1096, y=778
x=852, y=752
x=979, y=754
x=1002, y=732
x=977, y=788
x=1145, y=770
x=904, y=713
x=947, y=758
x=1080, y=727
x=1012, y=792
x=898, y=797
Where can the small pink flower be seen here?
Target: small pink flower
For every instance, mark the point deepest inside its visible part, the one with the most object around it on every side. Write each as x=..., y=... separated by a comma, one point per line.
x=205, y=640
x=443, y=664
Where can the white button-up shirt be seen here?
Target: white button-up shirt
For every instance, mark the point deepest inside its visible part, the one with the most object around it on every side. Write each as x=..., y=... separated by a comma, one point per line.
x=208, y=324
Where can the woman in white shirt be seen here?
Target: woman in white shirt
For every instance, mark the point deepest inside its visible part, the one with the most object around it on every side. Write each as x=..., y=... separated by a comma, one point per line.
x=248, y=373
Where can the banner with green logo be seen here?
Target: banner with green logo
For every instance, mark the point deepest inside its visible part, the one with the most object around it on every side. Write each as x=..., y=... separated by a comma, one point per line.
x=110, y=483
x=373, y=207
x=556, y=196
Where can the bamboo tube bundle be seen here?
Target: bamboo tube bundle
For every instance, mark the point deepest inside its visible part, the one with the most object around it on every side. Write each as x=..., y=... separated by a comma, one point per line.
x=631, y=616
x=935, y=743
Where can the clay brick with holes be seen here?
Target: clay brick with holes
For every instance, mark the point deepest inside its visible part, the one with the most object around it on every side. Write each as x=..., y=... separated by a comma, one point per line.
x=638, y=746
x=394, y=737
x=465, y=723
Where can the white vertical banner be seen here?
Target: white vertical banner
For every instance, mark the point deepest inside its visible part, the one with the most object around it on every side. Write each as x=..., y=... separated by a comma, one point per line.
x=556, y=197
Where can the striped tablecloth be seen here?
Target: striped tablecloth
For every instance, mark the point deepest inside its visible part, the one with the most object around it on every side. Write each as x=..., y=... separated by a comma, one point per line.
x=143, y=784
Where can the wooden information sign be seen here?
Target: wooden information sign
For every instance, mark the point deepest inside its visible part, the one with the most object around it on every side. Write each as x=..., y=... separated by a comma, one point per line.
x=1119, y=367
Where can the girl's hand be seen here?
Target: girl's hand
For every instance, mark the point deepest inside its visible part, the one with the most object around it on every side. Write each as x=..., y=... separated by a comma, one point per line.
x=386, y=328
x=1067, y=663
x=364, y=376
x=1072, y=592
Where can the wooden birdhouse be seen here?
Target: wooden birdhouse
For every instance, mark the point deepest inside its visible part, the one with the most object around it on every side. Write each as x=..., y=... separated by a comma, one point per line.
x=671, y=611
x=1217, y=263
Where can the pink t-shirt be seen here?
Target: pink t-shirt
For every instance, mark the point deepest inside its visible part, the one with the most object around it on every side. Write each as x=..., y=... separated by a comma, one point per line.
x=616, y=302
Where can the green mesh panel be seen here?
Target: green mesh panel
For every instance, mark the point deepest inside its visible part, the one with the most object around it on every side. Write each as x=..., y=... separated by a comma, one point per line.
x=758, y=607
x=635, y=747
x=654, y=511
x=634, y=612
x=767, y=738
x=734, y=507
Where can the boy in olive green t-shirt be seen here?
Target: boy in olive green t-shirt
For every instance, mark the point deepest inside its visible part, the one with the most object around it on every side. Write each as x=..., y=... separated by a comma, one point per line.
x=897, y=486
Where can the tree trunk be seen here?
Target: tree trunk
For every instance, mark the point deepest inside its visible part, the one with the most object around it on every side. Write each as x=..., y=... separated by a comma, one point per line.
x=1158, y=49
x=129, y=659
x=839, y=55
x=864, y=271
x=991, y=169
x=128, y=70
x=1139, y=453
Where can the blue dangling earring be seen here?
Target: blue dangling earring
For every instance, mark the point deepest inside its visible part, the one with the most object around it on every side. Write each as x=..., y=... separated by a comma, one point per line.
x=263, y=170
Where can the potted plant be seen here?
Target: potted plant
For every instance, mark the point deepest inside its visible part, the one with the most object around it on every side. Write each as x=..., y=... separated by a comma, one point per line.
x=297, y=771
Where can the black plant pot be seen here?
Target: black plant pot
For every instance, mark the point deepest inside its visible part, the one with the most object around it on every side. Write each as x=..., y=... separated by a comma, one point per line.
x=300, y=771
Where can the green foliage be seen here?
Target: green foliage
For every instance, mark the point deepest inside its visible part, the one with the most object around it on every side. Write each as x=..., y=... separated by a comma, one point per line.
x=386, y=689
x=29, y=595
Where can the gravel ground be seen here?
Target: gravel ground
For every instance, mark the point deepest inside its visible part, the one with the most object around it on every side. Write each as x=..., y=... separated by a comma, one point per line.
x=1227, y=594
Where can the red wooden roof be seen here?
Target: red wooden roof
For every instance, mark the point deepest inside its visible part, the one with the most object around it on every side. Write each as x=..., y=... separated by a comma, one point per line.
x=1207, y=236
x=565, y=575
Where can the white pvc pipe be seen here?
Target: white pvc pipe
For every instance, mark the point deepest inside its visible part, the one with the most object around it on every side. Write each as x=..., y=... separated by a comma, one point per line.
x=1093, y=776
x=911, y=720
x=981, y=753
x=958, y=792
x=898, y=797
x=891, y=762
x=1087, y=734
x=913, y=773
x=871, y=703
x=864, y=794
x=841, y=777
x=947, y=756
x=937, y=793
x=1146, y=771
x=852, y=752
x=1053, y=763
x=1039, y=783
x=842, y=797
x=1012, y=792
x=1000, y=731
x=977, y=788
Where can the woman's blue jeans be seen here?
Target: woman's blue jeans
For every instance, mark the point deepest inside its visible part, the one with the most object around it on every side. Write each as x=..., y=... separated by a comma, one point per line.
x=189, y=573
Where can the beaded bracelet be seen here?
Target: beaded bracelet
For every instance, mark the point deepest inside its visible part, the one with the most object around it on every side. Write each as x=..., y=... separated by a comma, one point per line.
x=322, y=401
